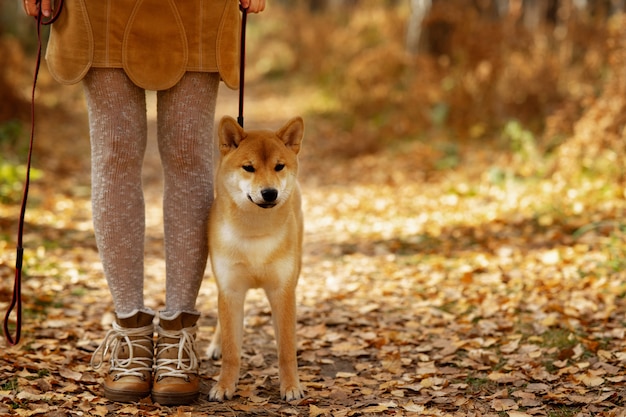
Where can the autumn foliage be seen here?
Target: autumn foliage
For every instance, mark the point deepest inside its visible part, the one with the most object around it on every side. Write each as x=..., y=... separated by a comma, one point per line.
x=465, y=242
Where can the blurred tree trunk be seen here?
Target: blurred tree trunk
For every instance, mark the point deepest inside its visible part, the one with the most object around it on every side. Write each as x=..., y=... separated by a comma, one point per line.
x=601, y=9
x=14, y=21
x=13, y=29
x=432, y=22
x=419, y=10
x=493, y=9
x=537, y=12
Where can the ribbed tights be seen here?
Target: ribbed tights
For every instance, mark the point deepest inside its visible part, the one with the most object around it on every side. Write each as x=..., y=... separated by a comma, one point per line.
x=118, y=129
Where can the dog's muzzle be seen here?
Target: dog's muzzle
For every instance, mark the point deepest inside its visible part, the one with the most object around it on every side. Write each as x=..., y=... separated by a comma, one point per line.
x=269, y=198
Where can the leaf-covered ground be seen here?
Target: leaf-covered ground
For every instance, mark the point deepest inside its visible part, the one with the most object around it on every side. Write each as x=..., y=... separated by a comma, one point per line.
x=437, y=281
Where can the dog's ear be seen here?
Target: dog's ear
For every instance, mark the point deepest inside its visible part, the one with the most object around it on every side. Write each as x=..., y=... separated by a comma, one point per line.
x=292, y=133
x=230, y=134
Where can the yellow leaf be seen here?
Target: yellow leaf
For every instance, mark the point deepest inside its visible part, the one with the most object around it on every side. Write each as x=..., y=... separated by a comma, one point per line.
x=503, y=404
x=258, y=400
x=414, y=408
x=550, y=257
x=499, y=377
x=99, y=410
x=380, y=407
x=347, y=347
x=590, y=380
x=29, y=396
x=315, y=411
x=69, y=374
x=433, y=382
x=510, y=347
x=129, y=409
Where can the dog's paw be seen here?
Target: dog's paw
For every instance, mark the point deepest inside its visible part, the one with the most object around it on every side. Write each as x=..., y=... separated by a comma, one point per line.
x=214, y=351
x=291, y=393
x=221, y=393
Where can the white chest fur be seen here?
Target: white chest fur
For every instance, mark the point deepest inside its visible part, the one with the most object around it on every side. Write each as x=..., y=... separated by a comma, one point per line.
x=254, y=259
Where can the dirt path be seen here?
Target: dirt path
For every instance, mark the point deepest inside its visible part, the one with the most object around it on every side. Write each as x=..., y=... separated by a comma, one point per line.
x=424, y=291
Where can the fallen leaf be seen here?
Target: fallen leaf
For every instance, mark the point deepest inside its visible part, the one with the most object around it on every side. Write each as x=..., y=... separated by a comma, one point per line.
x=503, y=404
x=69, y=374
x=315, y=411
x=590, y=380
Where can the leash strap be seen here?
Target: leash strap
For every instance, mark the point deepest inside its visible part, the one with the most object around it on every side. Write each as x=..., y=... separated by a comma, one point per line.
x=242, y=63
x=16, y=301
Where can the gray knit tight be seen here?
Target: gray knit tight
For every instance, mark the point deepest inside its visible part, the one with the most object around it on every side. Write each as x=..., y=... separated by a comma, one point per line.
x=118, y=128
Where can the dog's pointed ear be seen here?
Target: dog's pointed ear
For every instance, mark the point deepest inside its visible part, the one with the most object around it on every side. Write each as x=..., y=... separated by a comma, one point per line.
x=292, y=133
x=230, y=134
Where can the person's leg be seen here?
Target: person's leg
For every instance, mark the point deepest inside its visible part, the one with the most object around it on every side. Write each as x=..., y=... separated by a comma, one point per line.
x=117, y=120
x=185, y=115
x=185, y=118
x=118, y=130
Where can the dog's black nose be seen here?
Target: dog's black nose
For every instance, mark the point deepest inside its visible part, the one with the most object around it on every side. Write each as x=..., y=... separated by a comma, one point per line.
x=269, y=194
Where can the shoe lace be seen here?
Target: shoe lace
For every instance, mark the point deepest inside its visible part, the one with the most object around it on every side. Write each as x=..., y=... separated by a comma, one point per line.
x=186, y=360
x=118, y=337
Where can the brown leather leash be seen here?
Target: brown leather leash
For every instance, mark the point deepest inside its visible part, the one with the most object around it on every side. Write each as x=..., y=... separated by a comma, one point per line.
x=242, y=62
x=16, y=301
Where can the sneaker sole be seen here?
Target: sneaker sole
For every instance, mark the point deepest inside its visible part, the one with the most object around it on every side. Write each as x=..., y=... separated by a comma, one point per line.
x=125, y=396
x=170, y=398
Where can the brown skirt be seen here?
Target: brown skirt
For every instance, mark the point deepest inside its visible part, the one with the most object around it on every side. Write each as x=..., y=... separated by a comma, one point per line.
x=154, y=41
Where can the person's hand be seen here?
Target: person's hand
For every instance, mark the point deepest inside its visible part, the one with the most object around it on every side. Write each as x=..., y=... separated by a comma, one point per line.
x=252, y=6
x=31, y=7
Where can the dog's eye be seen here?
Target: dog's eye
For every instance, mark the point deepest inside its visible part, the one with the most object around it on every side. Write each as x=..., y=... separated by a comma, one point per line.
x=248, y=168
x=279, y=167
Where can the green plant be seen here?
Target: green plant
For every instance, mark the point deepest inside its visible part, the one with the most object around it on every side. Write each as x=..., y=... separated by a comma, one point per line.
x=9, y=132
x=9, y=385
x=615, y=232
x=12, y=179
x=563, y=411
x=522, y=141
x=559, y=338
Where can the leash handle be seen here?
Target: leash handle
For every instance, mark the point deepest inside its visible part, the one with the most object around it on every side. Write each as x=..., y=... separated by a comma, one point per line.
x=16, y=300
x=51, y=19
x=242, y=63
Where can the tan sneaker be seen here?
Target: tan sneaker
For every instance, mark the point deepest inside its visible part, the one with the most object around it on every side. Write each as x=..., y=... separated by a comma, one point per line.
x=131, y=346
x=176, y=379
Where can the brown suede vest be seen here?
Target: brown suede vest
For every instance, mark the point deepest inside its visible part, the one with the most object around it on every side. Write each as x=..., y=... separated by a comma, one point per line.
x=155, y=41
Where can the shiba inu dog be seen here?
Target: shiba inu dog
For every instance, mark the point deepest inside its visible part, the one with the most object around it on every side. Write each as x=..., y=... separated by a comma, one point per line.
x=255, y=241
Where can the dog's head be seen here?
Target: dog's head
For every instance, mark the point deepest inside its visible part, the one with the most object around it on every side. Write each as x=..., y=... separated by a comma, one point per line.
x=259, y=166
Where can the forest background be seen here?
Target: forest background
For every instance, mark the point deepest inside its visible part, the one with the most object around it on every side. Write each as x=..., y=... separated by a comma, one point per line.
x=463, y=176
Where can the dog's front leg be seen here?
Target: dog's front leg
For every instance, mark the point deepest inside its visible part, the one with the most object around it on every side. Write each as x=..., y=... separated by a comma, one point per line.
x=230, y=319
x=214, y=351
x=283, y=304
